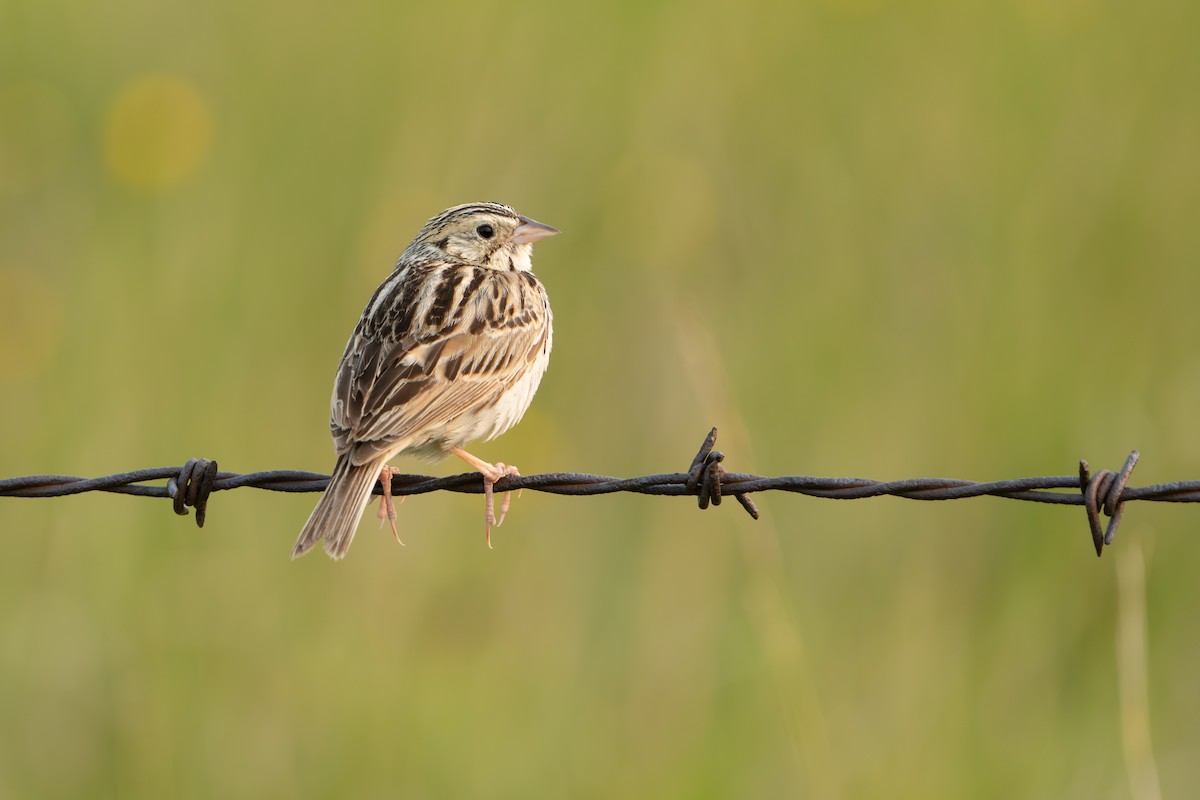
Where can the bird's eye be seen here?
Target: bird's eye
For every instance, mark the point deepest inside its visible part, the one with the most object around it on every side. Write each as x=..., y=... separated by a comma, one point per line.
x=486, y=231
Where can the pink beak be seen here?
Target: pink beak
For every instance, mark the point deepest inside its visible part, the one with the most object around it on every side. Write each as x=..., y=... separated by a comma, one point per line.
x=530, y=231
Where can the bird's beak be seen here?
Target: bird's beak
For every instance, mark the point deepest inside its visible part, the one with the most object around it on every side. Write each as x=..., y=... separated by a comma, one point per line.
x=530, y=231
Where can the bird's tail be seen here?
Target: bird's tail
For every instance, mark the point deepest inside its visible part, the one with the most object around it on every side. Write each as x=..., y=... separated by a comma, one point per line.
x=336, y=516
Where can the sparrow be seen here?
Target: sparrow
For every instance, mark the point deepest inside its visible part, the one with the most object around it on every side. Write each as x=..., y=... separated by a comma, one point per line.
x=449, y=350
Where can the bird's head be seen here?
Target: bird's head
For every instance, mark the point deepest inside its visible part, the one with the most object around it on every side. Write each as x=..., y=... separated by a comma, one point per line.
x=481, y=234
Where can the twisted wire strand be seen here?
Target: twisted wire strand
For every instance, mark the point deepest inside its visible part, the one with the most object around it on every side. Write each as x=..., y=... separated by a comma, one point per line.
x=1104, y=492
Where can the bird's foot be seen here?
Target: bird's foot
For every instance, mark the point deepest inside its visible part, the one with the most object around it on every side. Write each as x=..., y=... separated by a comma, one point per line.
x=491, y=474
x=489, y=515
x=387, y=509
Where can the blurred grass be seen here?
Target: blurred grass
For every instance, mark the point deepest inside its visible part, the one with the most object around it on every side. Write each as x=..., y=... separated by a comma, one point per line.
x=866, y=238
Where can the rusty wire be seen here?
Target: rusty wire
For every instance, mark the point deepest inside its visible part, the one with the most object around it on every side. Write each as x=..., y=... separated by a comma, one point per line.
x=706, y=479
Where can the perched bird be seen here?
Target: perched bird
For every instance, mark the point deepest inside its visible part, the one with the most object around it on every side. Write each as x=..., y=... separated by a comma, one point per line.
x=449, y=350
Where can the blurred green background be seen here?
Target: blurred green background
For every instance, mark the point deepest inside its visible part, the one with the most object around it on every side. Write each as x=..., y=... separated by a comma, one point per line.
x=864, y=238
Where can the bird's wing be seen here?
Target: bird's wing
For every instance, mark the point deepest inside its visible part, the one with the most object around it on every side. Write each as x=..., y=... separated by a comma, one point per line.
x=436, y=341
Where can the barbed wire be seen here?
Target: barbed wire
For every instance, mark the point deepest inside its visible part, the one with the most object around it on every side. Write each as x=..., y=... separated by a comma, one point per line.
x=706, y=479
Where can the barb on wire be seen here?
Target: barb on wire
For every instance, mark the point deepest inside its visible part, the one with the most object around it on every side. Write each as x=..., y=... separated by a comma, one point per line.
x=706, y=479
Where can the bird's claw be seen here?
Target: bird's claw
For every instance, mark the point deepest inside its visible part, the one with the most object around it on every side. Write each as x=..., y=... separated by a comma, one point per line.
x=387, y=509
x=490, y=477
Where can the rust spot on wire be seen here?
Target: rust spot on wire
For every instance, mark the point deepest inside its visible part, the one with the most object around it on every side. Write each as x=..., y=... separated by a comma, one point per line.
x=192, y=487
x=1104, y=491
x=704, y=477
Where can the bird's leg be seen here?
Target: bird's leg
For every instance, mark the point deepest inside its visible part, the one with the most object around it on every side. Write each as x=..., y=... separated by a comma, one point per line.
x=387, y=510
x=506, y=470
x=491, y=473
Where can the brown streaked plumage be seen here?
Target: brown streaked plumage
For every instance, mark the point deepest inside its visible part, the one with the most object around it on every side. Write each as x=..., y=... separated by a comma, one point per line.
x=449, y=350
